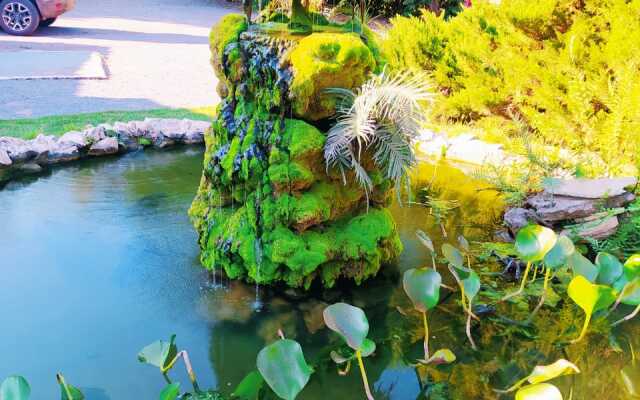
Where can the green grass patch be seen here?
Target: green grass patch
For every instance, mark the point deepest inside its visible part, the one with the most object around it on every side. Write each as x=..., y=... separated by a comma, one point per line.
x=59, y=125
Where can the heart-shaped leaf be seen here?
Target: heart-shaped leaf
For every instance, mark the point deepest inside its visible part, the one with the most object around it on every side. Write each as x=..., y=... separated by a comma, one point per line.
x=159, y=353
x=609, y=268
x=15, y=388
x=541, y=391
x=368, y=348
x=581, y=266
x=543, y=373
x=471, y=285
x=632, y=267
x=425, y=240
x=67, y=391
x=249, y=387
x=629, y=292
x=533, y=242
x=442, y=356
x=464, y=244
x=348, y=321
x=170, y=392
x=283, y=367
x=558, y=255
x=590, y=297
x=422, y=285
x=453, y=255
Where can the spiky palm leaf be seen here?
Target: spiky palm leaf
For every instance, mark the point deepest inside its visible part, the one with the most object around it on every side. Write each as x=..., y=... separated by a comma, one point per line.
x=383, y=116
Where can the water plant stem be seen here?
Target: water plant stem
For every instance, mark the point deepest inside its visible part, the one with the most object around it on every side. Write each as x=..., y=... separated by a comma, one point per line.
x=587, y=320
x=524, y=282
x=426, y=335
x=628, y=317
x=188, y=367
x=433, y=262
x=547, y=278
x=365, y=381
x=468, y=329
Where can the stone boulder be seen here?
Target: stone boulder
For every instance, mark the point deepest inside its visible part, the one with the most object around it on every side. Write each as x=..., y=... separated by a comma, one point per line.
x=590, y=188
x=104, y=147
x=5, y=160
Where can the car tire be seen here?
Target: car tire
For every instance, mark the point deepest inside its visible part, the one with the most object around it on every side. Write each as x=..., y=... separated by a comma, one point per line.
x=19, y=17
x=47, y=22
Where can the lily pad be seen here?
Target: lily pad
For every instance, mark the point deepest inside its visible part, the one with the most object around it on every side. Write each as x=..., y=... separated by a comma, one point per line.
x=590, y=297
x=543, y=373
x=541, y=391
x=471, y=285
x=422, y=285
x=159, y=353
x=442, y=356
x=348, y=321
x=557, y=257
x=464, y=244
x=581, y=266
x=249, y=387
x=15, y=388
x=533, y=242
x=283, y=367
x=609, y=268
x=630, y=292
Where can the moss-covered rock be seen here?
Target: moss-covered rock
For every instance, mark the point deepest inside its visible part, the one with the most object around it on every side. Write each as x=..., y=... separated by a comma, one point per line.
x=224, y=34
x=267, y=209
x=326, y=60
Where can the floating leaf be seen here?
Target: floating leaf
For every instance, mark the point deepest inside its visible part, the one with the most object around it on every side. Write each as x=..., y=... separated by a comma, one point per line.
x=284, y=368
x=249, y=387
x=425, y=240
x=339, y=358
x=558, y=255
x=533, y=242
x=422, y=285
x=159, y=353
x=590, y=298
x=609, y=268
x=348, y=321
x=453, y=255
x=471, y=285
x=442, y=356
x=170, y=392
x=368, y=348
x=541, y=391
x=581, y=266
x=15, y=388
x=632, y=267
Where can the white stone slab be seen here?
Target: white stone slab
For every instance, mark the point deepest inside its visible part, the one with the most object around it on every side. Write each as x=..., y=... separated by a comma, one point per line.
x=39, y=64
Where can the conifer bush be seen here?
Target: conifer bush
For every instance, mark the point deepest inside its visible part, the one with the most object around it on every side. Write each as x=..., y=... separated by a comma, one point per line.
x=568, y=69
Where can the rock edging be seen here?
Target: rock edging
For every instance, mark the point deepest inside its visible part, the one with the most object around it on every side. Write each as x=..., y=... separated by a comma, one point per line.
x=19, y=157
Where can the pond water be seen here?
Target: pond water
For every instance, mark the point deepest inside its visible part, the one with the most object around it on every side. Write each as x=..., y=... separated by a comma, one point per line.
x=99, y=259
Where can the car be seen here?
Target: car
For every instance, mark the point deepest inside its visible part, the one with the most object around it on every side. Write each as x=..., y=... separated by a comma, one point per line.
x=23, y=17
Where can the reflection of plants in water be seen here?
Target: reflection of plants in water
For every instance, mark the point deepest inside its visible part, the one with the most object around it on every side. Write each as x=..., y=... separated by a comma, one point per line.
x=439, y=207
x=17, y=388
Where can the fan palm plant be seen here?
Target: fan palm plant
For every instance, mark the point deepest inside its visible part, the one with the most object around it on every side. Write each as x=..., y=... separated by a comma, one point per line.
x=380, y=119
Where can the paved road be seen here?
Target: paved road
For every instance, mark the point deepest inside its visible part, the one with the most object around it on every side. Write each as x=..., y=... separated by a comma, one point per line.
x=156, y=52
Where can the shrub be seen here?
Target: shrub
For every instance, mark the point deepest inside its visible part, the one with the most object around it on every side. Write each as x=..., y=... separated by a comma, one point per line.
x=567, y=69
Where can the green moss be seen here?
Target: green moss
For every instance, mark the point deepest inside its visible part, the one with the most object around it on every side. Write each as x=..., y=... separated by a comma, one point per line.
x=322, y=61
x=227, y=31
x=305, y=141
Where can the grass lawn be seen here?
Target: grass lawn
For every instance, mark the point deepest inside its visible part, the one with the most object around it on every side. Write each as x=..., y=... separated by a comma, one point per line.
x=59, y=125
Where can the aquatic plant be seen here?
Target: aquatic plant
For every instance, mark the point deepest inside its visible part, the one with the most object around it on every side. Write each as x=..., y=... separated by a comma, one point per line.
x=382, y=117
x=17, y=388
x=352, y=325
x=164, y=356
x=628, y=286
x=428, y=243
x=590, y=297
x=533, y=242
x=538, y=388
x=284, y=368
x=422, y=286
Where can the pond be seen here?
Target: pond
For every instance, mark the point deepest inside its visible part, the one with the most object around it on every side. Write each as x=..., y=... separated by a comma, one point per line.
x=99, y=259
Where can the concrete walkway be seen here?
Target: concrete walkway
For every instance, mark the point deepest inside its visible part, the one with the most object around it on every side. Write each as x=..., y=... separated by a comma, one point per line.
x=155, y=51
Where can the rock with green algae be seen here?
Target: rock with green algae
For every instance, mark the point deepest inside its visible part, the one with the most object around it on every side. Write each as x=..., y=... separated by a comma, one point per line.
x=327, y=60
x=267, y=210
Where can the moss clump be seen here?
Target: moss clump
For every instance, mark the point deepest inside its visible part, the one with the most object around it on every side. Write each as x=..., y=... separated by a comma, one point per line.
x=267, y=210
x=225, y=33
x=322, y=61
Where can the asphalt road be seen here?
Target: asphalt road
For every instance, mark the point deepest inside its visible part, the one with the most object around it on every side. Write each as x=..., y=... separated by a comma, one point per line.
x=156, y=53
